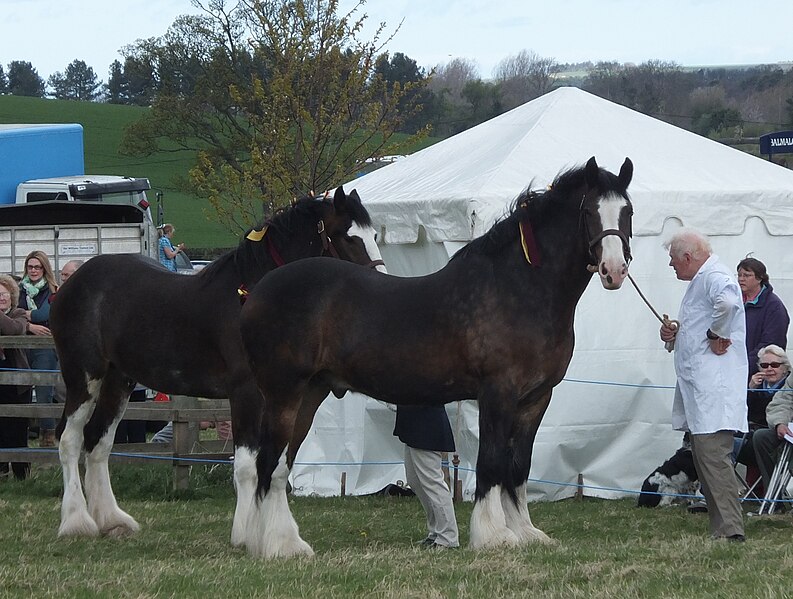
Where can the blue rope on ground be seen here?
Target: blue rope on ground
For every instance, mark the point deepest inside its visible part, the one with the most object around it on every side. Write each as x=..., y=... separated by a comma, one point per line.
x=568, y=380
x=399, y=463
x=541, y=481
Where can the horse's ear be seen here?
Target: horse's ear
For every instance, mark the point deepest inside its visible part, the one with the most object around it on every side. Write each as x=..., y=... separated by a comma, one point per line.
x=340, y=199
x=354, y=195
x=591, y=172
x=626, y=173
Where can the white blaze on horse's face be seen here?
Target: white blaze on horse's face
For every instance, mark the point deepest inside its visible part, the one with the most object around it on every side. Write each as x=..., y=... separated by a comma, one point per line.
x=369, y=237
x=613, y=267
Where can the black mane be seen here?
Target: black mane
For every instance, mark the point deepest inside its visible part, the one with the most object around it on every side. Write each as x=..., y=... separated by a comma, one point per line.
x=284, y=222
x=536, y=204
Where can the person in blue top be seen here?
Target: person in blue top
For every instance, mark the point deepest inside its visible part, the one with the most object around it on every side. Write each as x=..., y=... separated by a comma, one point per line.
x=767, y=319
x=36, y=288
x=167, y=249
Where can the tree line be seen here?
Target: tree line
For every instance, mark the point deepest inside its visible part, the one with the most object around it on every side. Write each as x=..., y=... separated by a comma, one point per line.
x=721, y=101
x=285, y=96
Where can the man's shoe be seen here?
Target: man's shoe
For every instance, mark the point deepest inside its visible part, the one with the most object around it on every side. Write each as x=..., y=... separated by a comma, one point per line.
x=438, y=546
x=698, y=507
x=736, y=538
x=426, y=542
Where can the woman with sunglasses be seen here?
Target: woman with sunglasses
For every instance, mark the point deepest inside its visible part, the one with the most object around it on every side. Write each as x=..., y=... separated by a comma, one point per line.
x=774, y=369
x=778, y=413
x=36, y=288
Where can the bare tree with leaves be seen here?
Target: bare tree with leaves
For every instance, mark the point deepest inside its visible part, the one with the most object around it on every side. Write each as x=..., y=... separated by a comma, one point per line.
x=524, y=77
x=280, y=97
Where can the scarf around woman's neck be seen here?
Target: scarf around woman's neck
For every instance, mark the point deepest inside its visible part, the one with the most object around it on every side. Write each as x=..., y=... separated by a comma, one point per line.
x=32, y=290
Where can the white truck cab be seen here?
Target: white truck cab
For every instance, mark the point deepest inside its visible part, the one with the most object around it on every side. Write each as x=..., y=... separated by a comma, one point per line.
x=86, y=188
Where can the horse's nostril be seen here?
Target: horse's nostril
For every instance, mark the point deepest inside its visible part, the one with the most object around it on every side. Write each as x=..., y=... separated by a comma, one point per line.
x=603, y=269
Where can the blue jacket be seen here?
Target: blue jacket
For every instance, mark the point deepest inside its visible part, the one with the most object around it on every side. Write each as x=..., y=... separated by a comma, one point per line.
x=424, y=427
x=767, y=322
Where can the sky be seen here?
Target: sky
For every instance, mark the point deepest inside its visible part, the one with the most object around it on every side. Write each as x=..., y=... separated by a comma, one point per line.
x=52, y=33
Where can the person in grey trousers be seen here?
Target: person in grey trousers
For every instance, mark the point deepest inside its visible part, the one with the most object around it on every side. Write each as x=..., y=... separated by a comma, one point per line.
x=426, y=433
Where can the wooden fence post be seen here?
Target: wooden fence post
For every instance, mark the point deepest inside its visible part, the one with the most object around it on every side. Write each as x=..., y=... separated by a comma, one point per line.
x=185, y=436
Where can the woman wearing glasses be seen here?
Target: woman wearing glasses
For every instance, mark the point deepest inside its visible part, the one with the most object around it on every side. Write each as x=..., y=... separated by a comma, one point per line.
x=767, y=319
x=778, y=413
x=36, y=288
x=14, y=431
x=773, y=370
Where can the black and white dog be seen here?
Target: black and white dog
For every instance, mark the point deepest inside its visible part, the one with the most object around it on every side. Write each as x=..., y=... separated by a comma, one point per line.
x=676, y=476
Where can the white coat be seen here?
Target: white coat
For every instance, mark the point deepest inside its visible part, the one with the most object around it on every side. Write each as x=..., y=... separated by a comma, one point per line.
x=710, y=395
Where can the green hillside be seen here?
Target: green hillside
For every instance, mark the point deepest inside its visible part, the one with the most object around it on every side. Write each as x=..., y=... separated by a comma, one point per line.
x=103, y=125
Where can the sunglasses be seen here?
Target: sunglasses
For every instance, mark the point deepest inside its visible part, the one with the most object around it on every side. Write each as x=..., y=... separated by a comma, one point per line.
x=771, y=364
x=35, y=267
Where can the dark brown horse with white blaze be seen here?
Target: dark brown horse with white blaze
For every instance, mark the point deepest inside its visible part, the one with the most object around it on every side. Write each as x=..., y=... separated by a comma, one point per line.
x=495, y=324
x=122, y=319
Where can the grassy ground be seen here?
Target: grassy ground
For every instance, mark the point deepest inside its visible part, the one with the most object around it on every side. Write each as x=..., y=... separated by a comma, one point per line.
x=365, y=548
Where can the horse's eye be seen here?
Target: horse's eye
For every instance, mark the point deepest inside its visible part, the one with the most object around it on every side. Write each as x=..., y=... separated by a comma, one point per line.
x=376, y=237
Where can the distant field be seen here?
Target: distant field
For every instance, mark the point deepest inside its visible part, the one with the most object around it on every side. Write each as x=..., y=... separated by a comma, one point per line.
x=103, y=126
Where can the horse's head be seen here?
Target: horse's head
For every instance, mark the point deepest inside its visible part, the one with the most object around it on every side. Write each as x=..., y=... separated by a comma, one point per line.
x=349, y=232
x=606, y=212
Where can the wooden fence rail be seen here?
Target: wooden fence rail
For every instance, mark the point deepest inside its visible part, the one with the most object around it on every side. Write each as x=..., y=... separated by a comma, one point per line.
x=185, y=412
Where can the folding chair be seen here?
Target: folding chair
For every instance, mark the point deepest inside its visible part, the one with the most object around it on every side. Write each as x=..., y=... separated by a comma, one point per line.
x=779, y=481
x=747, y=490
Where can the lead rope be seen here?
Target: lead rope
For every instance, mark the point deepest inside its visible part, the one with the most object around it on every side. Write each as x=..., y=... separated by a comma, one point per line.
x=673, y=324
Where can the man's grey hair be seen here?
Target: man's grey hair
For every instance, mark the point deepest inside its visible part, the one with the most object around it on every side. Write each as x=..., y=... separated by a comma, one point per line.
x=689, y=241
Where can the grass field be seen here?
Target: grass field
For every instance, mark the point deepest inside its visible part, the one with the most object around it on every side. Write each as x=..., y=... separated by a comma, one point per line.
x=365, y=548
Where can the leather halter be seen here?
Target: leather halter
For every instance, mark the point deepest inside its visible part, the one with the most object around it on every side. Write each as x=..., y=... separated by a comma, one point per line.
x=593, y=241
x=327, y=246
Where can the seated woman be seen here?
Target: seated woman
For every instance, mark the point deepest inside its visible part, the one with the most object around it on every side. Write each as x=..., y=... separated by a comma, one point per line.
x=774, y=370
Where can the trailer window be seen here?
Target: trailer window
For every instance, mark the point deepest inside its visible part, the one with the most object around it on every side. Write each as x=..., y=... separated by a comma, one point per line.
x=41, y=196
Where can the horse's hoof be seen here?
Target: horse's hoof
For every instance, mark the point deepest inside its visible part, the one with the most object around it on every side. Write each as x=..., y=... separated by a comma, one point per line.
x=78, y=527
x=299, y=548
x=119, y=525
x=500, y=538
x=528, y=535
x=119, y=531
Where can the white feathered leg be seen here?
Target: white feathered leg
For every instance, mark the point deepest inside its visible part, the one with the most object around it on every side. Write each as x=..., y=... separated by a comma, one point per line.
x=75, y=519
x=245, y=480
x=488, y=522
x=518, y=519
x=110, y=519
x=276, y=532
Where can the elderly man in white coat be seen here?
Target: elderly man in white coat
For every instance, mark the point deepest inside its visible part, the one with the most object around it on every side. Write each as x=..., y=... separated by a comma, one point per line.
x=711, y=367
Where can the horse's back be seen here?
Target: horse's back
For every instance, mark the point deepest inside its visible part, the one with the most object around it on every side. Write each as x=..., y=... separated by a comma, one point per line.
x=114, y=303
x=360, y=327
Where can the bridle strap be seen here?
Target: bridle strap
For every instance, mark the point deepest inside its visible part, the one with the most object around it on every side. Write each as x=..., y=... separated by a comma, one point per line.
x=374, y=264
x=592, y=241
x=626, y=248
x=327, y=244
x=328, y=247
x=274, y=252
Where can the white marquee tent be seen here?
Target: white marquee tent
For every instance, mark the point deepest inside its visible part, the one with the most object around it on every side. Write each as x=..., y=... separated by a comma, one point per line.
x=610, y=418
